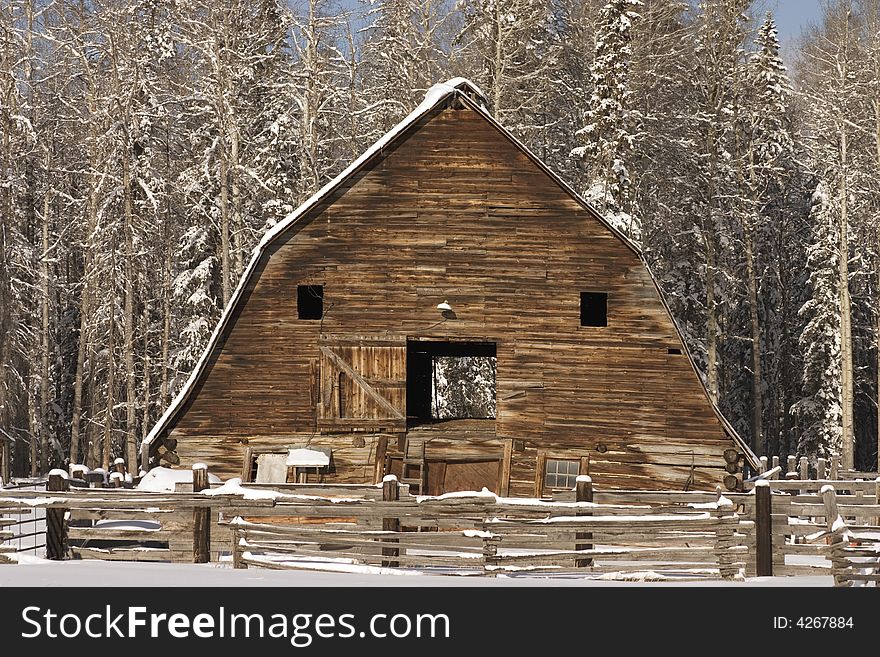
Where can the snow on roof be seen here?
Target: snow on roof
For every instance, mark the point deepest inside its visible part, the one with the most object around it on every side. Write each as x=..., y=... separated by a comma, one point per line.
x=471, y=95
x=307, y=458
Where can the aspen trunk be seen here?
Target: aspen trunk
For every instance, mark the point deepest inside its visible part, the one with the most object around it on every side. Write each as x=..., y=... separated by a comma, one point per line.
x=130, y=450
x=224, y=227
x=5, y=291
x=84, y=333
x=166, y=281
x=235, y=220
x=145, y=422
x=757, y=401
x=111, y=366
x=44, y=333
x=846, y=355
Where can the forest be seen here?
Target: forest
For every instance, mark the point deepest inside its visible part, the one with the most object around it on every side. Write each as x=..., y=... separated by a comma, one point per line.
x=148, y=144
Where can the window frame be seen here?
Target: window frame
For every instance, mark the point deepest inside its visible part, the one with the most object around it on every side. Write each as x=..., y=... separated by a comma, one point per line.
x=541, y=489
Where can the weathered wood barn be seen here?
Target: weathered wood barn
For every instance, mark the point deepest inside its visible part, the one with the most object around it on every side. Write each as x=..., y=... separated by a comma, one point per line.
x=449, y=239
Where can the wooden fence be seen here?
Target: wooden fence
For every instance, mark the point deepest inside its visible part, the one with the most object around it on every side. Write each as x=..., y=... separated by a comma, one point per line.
x=480, y=534
x=780, y=527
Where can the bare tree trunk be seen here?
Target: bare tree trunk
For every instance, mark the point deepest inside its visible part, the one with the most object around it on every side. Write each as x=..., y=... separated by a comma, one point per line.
x=92, y=449
x=166, y=281
x=711, y=268
x=238, y=261
x=111, y=365
x=44, y=333
x=876, y=104
x=131, y=449
x=757, y=406
x=224, y=226
x=846, y=355
x=145, y=331
x=5, y=276
x=85, y=313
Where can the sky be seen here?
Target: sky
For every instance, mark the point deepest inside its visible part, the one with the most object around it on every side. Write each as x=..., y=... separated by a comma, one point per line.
x=792, y=16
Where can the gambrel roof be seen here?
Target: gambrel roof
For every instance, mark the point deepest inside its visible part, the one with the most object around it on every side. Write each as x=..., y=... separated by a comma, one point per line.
x=457, y=92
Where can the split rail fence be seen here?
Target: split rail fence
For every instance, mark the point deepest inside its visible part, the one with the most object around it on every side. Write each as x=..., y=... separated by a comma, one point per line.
x=782, y=527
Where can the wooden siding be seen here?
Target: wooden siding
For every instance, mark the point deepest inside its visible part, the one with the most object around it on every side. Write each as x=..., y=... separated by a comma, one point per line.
x=456, y=212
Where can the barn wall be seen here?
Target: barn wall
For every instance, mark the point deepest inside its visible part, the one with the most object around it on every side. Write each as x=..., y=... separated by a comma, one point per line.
x=458, y=213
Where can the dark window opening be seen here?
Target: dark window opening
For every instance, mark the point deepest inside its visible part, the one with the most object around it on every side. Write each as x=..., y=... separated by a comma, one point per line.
x=310, y=301
x=673, y=351
x=594, y=309
x=449, y=381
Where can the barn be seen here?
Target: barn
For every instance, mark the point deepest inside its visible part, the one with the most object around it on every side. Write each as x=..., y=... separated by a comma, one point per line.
x=448, y=242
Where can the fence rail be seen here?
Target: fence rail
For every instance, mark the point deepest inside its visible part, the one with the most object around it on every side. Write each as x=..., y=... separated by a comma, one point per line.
x=780, y=527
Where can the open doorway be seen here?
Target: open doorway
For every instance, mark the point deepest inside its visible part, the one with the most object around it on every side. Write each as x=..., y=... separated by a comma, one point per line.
x=449, y=381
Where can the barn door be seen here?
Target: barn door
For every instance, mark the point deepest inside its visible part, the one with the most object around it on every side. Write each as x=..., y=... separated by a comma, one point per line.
x=362, y=385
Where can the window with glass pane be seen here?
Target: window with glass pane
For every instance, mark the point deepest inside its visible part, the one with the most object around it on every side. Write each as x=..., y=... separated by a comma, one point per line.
x=560, y=473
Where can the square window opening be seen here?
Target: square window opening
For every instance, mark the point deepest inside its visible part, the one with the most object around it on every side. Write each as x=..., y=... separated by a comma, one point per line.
x=310, y=301
x=561, y=473
x=450, y=381
x=594, y=309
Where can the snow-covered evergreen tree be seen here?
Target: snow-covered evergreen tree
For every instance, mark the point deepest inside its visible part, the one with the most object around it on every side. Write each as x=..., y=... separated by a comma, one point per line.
x=195, y=301
x=819, y=410
x=609, y=134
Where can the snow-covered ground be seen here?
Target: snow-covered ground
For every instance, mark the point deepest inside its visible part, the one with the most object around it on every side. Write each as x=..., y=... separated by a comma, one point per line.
x=33, y=571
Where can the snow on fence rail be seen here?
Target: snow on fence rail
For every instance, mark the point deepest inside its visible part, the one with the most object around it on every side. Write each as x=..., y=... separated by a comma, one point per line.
x=482, y=534
x=779, y=528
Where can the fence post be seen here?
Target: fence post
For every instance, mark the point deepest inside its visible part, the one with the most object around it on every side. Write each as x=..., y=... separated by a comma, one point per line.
x=839, y=563
x=791, y=468
x=583, y=492
x=763, y=529
x=762, y=465
x=56, y=523
x=201, y=517
x=820, y=469
x=390, y=493
x=775, y=463
x=237, y=563
x=835, y=465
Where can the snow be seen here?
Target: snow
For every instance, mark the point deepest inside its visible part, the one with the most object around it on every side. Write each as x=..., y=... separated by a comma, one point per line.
x=234, y=487
x=35, y=572
x=164, y=479
x=304, y=457
x=477, y=533
x=200, y=466
x=58, y=473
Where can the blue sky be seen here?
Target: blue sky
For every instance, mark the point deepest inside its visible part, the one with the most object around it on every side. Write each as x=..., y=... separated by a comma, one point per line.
x=792, y=16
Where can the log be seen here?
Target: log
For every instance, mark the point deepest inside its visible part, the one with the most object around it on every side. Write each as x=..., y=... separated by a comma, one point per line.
x=763, y=530
x=201, y=518
x=583, y=493
x=56, y=524
x=390, y=493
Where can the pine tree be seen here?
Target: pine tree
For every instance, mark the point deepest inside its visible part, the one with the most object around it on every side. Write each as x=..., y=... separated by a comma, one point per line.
x=765, y=147
x=608, y=135
x=195, y=301
x=820, y=409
